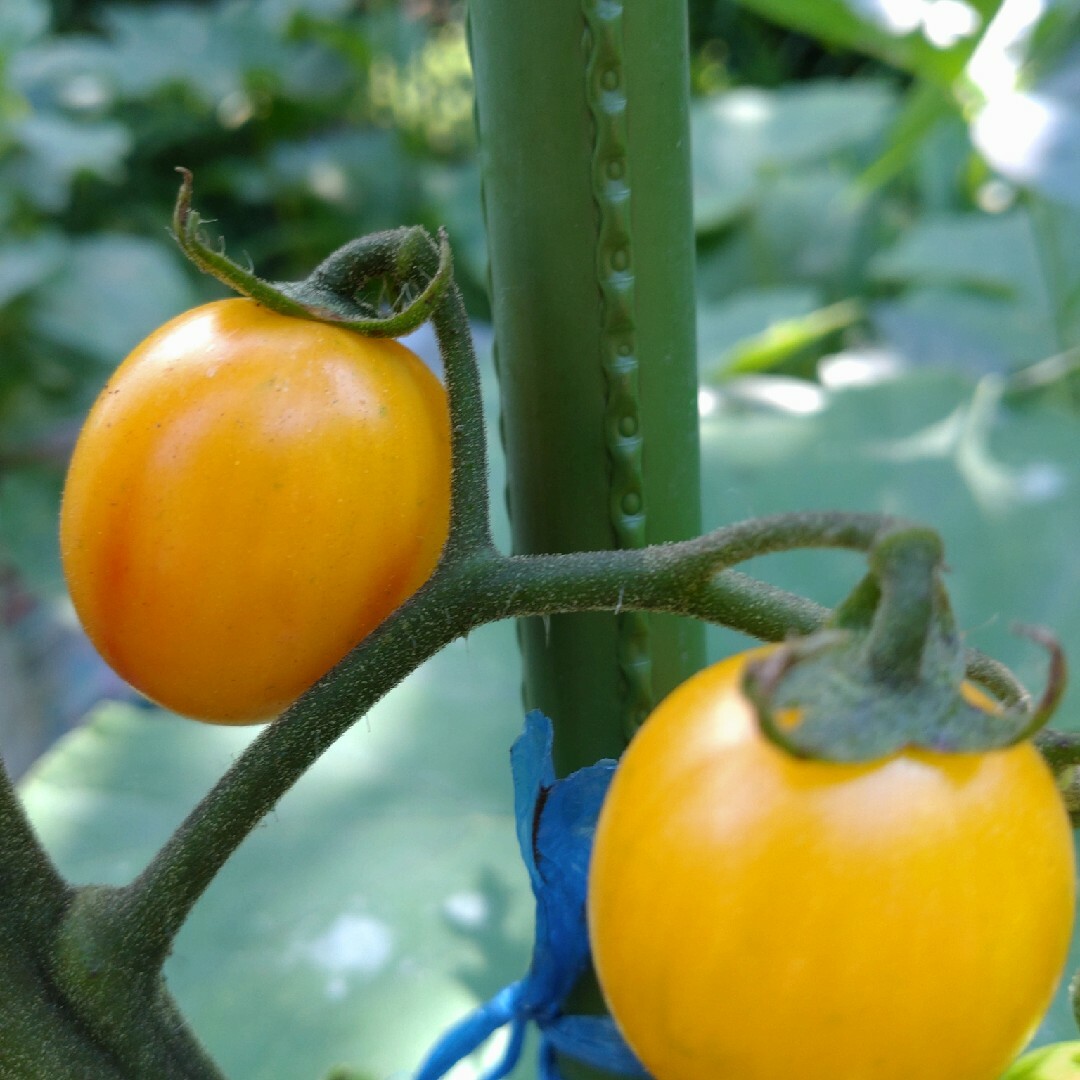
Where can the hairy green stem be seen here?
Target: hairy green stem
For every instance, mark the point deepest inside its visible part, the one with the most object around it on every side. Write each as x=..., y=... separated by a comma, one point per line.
x=688, y=578
x=906, y=563
x=472, y=585
x=33, y=894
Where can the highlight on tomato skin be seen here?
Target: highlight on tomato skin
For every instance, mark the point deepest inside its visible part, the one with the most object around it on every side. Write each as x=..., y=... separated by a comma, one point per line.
x=250, y=496
x=757, y=916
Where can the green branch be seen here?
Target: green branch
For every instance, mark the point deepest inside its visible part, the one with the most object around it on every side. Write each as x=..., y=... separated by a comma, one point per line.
x=34, y=894
x=472, y=585
x=688, y=578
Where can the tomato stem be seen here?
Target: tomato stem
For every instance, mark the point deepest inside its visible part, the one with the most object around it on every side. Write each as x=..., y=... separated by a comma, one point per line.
x=334, y=291
x=475, y=585
x=472, y=585
x=906, y=564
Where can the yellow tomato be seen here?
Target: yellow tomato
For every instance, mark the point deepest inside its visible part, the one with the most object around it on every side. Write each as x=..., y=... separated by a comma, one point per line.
x=250, y=496
x=758, y=917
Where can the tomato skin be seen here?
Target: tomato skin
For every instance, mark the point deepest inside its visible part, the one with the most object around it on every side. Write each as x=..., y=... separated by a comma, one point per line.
x=754, y=916
x=250, y=496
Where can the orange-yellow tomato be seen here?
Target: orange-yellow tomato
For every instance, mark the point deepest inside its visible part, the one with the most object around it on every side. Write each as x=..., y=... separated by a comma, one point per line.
x=250, y=496
x=758, y=917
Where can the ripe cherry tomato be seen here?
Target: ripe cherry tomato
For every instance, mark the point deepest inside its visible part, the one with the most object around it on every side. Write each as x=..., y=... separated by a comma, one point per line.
x=759, y=917
x=250, y=496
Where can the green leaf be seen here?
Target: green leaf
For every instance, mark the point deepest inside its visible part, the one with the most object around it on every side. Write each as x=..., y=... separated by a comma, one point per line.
x=786, y=338
x=1058, y=1062
x=113, y=291
x=904, y=447
x=977, y=287
x=746, y=314
x=27, y=263
x=21, y=22
x=760, y=329
x=212, y=51
x=382, y=898
x=57, y=150
x=907, y=36
x=29, y=540
x=816, y=225
x=742, y=135
x=993, y=254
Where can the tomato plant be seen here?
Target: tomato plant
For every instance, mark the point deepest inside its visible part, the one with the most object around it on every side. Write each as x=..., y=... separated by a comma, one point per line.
x=250, y=496
x=756, y=915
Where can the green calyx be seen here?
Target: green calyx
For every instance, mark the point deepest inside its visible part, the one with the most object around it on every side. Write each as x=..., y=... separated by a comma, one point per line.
x=886, y=672
x=374, y=285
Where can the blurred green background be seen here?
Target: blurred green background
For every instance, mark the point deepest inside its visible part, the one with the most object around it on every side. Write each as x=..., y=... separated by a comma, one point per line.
x=887, y=205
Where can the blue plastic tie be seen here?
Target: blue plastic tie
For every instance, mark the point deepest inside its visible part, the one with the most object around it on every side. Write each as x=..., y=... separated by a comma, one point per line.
x=556, y=821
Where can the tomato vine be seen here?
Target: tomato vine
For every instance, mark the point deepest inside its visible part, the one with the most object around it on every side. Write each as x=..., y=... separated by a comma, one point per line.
x=128, y=931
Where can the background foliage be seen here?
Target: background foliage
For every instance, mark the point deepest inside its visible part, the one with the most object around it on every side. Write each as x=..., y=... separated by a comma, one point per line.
x=887, y=203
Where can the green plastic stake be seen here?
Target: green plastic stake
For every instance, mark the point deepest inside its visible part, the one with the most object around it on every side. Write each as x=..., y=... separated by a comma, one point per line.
x=582, y=110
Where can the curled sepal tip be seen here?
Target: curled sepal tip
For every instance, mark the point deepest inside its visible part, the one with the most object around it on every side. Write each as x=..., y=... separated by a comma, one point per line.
x=817, y=697
x=409, y=272
x=187, y=230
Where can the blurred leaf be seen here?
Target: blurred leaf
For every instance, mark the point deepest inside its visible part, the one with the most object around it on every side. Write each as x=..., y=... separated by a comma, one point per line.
x=963, y=331
x=1058, y=1062
x=746, y=314
x=994, y=254
x=453, y=192
x=1054, y=380
x=742, y=135
x=899, y=446
x=785, y=338
x=26, y=264
x=212, y=51
x=28, y=527
x=21, y=22
x=930, y=40
x=113, y=291
x=1033, y=138
x=759, y=329
x=816, y=225
x=382, y=897
x=56, y=150
x=364, y=171
x=923, y=107
x=977, y=292
x=63, y=73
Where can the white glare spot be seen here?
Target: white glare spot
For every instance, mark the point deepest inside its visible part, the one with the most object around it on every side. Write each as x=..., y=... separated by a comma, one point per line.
x=484, y=1060
x=1016, y=133
x=467, y=910
x=354, y=944
x=235, y=110
x=328, y=181
x=948, y=22
x=707, y=401
x=995, y=64
x=794, y=396
x=1042, y=481
x=865, y=367
x=747, y=108
x=85, y=92
x=995, y=196
x=898, y=17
